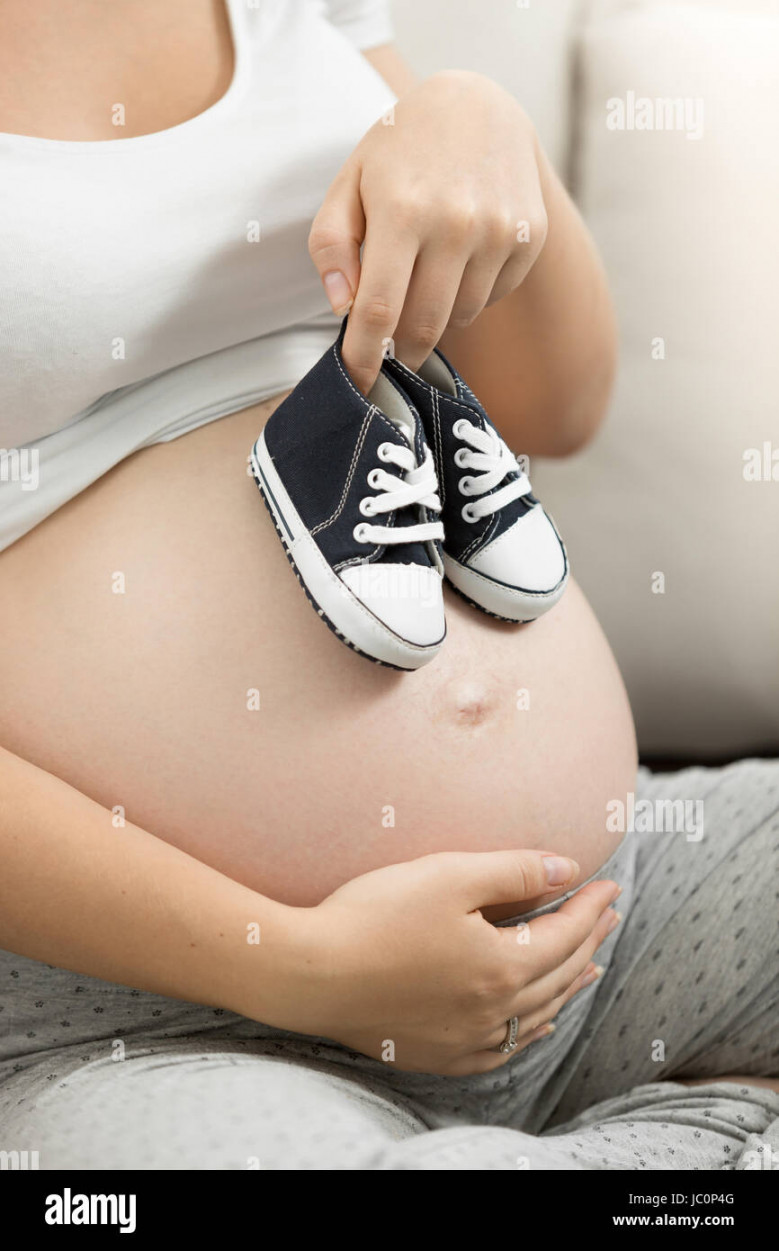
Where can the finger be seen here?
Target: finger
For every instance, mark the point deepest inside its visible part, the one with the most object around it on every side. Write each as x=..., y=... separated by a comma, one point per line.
x=511, y=275
x=547, y=1011
x=533, y=1027
x=553, y=984
x=546, y=942
x=527, y=245
x=476, y=287
x=549, y=985
x=531, y=1019
x=534, y=1022
x=387, y=264
x=335, y=238
x=489, y=1060
x=431, y=295
x=481, y=878
x=529, y=1028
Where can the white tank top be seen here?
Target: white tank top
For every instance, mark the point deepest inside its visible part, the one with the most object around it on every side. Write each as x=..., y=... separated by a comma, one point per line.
x=149, y=285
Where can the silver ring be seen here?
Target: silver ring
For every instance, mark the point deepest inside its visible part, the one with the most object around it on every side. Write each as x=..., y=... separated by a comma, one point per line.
x=512, y=1033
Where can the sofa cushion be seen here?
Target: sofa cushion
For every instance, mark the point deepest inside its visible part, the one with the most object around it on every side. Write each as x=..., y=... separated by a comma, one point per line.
x=672, y=515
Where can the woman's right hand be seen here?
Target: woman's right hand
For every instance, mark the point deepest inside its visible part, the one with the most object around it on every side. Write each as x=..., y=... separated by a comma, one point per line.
x=403, y=967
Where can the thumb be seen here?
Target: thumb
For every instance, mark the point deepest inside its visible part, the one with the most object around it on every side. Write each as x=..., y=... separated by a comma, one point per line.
x=497, y=877
x=334, y=241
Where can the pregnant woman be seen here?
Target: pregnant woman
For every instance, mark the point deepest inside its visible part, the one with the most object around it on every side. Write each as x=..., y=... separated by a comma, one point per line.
x=262, y=902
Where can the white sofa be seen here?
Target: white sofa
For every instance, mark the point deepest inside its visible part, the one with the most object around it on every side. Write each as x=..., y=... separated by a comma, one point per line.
x=672, y=514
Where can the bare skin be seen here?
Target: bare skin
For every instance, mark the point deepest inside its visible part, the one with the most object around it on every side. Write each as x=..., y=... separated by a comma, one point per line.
x=152, y=687
x=169, y=739
x=123, y=905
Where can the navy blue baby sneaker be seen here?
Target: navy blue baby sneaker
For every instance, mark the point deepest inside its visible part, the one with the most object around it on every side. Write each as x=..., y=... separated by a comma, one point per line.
x=350, y=484
x=501, y=550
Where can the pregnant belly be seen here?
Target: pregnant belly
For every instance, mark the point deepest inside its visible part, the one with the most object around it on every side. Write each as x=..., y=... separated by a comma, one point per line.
x=159, y=656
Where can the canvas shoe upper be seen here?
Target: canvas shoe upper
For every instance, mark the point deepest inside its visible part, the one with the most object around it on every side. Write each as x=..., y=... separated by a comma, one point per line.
x=351, y=486
x=501, y=550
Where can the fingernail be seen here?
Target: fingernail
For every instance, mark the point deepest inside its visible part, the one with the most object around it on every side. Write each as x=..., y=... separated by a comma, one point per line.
x=593, y=975
x=338, y=291
x=558, y=869
x=617, y=893
x=543, y=1031
x=615, y=922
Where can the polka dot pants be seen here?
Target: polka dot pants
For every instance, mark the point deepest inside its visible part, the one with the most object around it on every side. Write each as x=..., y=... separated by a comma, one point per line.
x=95, y=1076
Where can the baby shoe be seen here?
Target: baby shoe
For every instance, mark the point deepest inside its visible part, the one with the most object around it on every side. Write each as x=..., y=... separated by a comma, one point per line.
x=501, y=550
x=351, y=486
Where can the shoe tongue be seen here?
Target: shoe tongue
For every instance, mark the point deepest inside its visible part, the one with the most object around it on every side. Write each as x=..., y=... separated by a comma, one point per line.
x=395, y=405
x=409, y=434
x=439, y=373
x=397, y=408
x=464, y=393
x=408, y=553
x=407, y=424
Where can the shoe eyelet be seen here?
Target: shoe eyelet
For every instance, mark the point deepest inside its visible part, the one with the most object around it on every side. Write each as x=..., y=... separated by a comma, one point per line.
x=366, y=507
x=465, y=485
x=372, y=482
x=382, y=451
x=461, y=458
x=458, y=428
x=467, y=515
x=359, y=533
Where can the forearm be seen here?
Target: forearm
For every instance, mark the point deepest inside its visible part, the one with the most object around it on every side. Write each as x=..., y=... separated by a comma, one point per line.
x=543, y=358
x=398, y=954
x=124, y=906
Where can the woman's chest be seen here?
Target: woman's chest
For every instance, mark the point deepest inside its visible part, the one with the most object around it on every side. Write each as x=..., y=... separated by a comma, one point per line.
x=128, y=256
x=90, y=72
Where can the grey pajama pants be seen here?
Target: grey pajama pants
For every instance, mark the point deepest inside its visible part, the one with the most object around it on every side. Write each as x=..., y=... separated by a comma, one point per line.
x=97, y=1076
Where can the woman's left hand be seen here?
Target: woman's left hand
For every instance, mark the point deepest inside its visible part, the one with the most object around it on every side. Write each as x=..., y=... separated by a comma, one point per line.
x=445, y=194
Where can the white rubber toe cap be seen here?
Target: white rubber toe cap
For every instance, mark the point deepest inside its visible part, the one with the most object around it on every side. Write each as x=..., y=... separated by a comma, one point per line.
x=407, y=599
x=528, y=556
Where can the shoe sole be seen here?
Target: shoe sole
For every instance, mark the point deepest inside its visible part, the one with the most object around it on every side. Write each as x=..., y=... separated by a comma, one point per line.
x=332, y=599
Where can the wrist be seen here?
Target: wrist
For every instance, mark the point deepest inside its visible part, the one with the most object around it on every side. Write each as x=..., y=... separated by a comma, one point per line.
x=278, y=970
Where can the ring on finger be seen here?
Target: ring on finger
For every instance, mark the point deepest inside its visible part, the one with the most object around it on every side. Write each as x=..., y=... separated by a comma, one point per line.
x=509, y=1043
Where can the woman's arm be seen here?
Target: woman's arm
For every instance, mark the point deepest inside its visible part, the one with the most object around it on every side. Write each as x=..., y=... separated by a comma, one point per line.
x=122, y=905
x=472, y=241
x=400, y=954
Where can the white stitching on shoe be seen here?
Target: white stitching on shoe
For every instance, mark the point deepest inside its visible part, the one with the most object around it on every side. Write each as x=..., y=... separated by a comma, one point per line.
x=439, y=449
x=481, y=540
x=359, y=394
x=355, y=457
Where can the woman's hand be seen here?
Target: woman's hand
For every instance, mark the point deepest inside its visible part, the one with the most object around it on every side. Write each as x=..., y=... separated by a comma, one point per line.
x=403, y=967
x=445, y=193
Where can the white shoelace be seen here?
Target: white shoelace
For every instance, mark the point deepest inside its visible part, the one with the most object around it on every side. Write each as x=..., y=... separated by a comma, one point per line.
x=494, y=460
x=418, y=485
